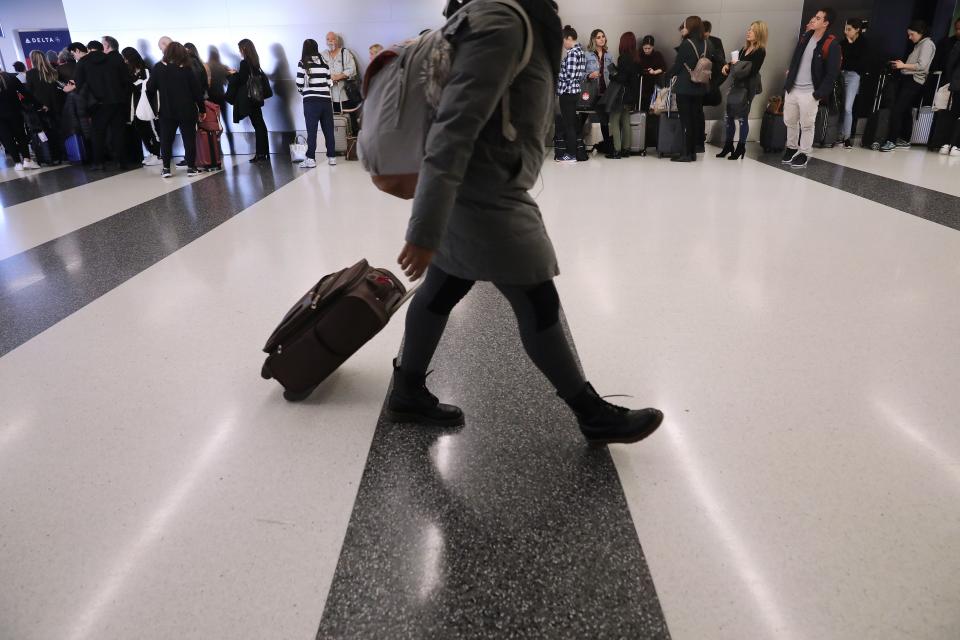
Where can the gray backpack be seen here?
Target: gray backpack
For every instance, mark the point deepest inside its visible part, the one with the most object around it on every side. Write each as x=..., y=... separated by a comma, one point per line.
x=402, y=90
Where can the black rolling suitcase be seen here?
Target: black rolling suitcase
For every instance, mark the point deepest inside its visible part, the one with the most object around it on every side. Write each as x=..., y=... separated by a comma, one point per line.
x=669, y=135
x=878, y=122
x=773, y=133
x=827, y=128
x=339, y=314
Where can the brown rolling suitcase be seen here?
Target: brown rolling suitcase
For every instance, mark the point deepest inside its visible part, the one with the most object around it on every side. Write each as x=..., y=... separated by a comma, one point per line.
x=329, y=324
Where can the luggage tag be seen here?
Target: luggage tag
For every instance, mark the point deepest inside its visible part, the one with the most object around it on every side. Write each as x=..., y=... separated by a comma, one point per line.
x=42, y=136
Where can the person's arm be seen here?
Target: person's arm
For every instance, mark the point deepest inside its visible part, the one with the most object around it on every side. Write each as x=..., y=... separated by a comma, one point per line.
x=244, y=74
x=301, y=79
x=466, y=105
x=834, y=59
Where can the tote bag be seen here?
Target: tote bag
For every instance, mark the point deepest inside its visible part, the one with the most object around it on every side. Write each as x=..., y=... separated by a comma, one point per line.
x=298, y=150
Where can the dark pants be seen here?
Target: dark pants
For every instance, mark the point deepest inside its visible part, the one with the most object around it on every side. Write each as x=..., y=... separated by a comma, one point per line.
x=188, y=131
x=108, y=121
x=147, y=135
x=691, y=119
x=568, y=118
x=908, y=94
x=260, y=127
x=319, y=111
x=955, y=116
x=536, y=307
x=13, y=137
x=732, y=126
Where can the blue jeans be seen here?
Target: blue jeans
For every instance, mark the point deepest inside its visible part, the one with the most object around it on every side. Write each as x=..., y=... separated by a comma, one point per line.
x=732, y=127
x=851, y=81
x=319, y=111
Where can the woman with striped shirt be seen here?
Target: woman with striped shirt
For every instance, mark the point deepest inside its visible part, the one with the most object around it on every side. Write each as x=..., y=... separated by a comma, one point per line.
x=313, y=83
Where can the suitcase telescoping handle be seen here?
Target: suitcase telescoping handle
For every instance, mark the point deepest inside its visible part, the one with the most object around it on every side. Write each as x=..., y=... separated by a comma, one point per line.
x=405, y=298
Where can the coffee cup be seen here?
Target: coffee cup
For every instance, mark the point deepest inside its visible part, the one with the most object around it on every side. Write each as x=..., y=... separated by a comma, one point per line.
x=735, y=56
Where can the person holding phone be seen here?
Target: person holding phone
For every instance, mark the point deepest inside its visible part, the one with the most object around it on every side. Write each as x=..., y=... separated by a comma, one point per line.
x=913, y=75
x=652, y=66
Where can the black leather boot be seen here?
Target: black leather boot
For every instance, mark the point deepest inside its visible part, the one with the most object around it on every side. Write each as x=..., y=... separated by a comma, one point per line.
x=411, y=401
x=603, y=423
x=740, y=152
x=727, y=150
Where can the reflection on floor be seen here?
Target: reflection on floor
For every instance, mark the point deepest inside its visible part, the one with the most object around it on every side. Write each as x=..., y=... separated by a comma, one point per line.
x=797, y=328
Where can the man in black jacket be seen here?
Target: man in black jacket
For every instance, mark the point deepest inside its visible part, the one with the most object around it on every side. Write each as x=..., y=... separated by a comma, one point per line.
x=813, y=72
x=105, y=77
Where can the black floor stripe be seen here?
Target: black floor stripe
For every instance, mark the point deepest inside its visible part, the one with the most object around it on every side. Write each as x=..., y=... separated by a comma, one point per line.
x=37, y=185
x=508, y=528
x=928, y=204
x=44, y=285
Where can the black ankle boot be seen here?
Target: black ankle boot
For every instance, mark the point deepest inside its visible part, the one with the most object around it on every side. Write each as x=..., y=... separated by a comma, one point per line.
x=602, y=422
x=740, y=152
x=411, y=401
x=727, y=150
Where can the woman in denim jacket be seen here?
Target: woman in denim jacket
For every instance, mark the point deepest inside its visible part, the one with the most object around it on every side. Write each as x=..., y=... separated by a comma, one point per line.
x=601, y=67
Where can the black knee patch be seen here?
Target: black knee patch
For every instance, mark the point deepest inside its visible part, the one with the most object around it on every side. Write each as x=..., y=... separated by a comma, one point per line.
x=449, y=294
x=546, y=305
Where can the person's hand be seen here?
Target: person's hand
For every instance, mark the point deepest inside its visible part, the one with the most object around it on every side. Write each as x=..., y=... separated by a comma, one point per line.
x=594, y=75
x=44, y=108
x=70, y=86
x=898, y=64
x=726, y=69
x=203, y=116
x=657, y=72
x=414, y=260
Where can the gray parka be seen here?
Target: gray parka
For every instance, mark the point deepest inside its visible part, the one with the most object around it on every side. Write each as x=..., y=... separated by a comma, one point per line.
x=472, y=203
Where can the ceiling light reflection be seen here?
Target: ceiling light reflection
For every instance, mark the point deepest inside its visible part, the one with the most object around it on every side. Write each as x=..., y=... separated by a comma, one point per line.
x=941, y=458
x=743, y=562
x=432, y=556
x=129, y=558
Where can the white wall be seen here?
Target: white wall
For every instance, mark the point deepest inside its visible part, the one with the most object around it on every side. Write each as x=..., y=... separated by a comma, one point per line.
x=26, y=15
x=278, y=28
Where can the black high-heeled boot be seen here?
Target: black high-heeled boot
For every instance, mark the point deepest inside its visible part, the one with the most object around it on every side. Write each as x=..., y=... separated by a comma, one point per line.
x=739, y=153
x=727, y=150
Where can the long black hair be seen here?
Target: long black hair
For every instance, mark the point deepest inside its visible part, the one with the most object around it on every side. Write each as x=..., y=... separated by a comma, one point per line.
x=310, y=50
x=249, y=53
x=133, y=59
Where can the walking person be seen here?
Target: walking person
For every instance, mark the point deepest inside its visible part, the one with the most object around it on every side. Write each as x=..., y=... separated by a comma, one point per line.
x=600, y=67
x=814, y=70
x=913, y=76
x=104, y=75
x=248, y=89
x=47, y=89
x=13, y=134
x=473, y=219
x=856, y=60
x=572, y=71
x=746, y=85
x=690, y=94
x=628, y=77
x=181, y=104
x=313, y=83
x=146, y=129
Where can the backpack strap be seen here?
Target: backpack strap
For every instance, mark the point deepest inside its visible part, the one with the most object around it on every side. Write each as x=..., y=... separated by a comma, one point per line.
x=825, y=48
x=509, y=131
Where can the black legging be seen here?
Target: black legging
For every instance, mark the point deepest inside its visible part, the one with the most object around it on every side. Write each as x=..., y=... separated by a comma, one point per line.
x=908, y=93
x=188, y=131
x=108, y=122
x=147, y=135
x=568, y=118
x=955, y=117
x=260, y=127
x=13, y=137
x=537, y=309
x=691, y=119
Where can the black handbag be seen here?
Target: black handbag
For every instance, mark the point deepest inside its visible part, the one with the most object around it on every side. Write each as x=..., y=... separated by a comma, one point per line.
x=351, y=86
x=589, y=94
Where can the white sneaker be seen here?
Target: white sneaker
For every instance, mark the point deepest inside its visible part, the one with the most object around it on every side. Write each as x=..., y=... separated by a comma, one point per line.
x=308, y=164
x=152, y=161
x=18, y=166
x=332, y=162
x=945, y=150
x=955, y=152
x=30, y=164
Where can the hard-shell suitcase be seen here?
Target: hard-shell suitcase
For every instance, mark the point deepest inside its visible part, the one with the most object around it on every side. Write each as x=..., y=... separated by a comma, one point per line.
x=638, y=129
x=329, y=324
x=669, y=136
x=209, y=151
x=773, y=133
x=923, y=117
x=341, y=130
x=75, y=148
x=827, y=128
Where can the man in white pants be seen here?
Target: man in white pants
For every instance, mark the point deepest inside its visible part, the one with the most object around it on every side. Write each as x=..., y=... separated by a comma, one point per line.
x=812, y=75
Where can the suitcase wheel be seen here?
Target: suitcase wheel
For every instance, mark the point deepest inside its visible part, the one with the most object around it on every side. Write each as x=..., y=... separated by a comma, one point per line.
x=643, y=153
x=297, y=396
x=265, y=372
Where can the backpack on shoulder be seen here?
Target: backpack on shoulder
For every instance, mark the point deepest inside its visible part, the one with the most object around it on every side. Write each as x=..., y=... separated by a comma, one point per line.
x=402, y=89
x=702, y=72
